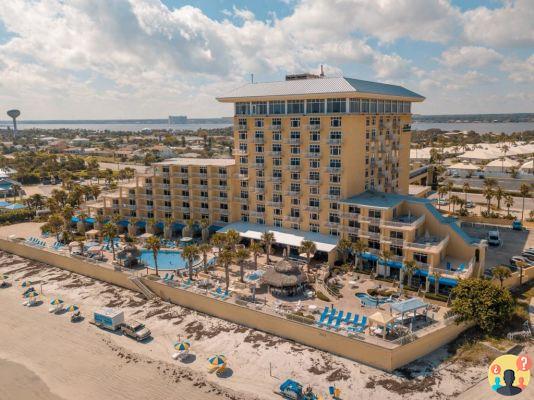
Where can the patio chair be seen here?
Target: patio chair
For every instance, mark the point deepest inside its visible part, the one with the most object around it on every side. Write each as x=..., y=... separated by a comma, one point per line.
x=338, y=321
x=324, y=314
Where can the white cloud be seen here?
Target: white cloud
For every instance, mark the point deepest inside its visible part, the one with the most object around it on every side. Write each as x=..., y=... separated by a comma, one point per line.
x=508, y=26
x=469, y=56
x=518, y=70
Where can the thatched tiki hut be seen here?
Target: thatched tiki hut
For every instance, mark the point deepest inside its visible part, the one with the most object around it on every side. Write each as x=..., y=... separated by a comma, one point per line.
x=129, y=255
x=285, y=279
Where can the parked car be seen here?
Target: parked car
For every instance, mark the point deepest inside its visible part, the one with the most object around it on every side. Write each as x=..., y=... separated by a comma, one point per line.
x=469, y=204
x=528, y=254
x=442, y=202
x=136, y=330
x=494, y=238
x=515, y=259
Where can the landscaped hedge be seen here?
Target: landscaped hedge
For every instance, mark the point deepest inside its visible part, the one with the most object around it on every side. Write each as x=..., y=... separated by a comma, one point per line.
x=438, y=297
x=322, y=296
x=11, y=217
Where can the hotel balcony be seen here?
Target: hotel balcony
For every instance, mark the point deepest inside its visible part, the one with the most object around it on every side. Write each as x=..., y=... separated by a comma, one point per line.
x=351, y=229
x=330, y=224
x=404, y=221
x=334, y=170
x=372, y=221
x=240, y=152
x=241, y=199
x=242, y=176
x=312, y=208
x=369, y=235
x=292, y=219
x=181, y=175
x=275, y=153
x=292, y=193
x=201, y=175
x=406, y=128
x=334, y=141
x=275, y=179
x=428, y=243
x=166, y=208
x=332, y=196
x=258, y=140
x=393, y=241
x=199, y=186
x=313, y=182
x=258, y=190
x=312, y=155
x=274, y=128
x=274, y=203
x=292, y=141
x=257, y=214
x=257, y=165
x=313, y=128
x=293, y=167
x=221, y=187
x=242, y=127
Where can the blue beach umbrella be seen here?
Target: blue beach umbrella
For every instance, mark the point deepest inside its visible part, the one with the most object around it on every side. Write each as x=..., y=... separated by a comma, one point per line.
x=72, y=308
x=25, y=283
x=182, y=346
x=217, y=361
x=56, y=302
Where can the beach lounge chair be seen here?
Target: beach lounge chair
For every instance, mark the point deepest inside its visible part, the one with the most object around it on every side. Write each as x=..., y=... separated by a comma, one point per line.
x=171, y=278
x=347, y=318
x=362, y=325
x=186, y=284
x=338, y=321
x=331, y=318
x=461, y=268
x=324, y=314
x=166, y=277
x=225, y=295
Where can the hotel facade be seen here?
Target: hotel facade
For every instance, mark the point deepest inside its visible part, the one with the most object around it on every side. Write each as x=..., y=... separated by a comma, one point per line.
x=314, y=158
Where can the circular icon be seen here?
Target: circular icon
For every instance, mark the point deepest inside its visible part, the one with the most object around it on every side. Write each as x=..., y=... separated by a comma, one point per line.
x=524, y=363
x=509, y=375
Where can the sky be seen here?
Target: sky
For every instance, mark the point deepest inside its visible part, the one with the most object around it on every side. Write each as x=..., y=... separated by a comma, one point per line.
x=96, y=59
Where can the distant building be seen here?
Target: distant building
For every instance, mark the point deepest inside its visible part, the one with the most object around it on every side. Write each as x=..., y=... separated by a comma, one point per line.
x=177, y=119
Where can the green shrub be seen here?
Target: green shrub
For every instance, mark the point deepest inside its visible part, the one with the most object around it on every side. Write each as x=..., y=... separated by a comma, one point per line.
x=14, y=216
x=322, y=296
x=438, y=297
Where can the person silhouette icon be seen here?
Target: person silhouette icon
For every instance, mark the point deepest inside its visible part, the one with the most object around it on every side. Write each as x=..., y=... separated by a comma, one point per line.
x=521, y=383
x=509, y=389
x=497, y=383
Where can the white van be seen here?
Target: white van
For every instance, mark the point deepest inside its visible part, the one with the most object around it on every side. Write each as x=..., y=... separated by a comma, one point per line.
x=494, y=238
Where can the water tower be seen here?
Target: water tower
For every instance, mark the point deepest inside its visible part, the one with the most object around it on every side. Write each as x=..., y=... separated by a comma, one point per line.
x=14, y=114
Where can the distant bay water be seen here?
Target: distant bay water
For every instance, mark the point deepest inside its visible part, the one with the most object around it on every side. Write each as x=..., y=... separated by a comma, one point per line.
x=479, y=127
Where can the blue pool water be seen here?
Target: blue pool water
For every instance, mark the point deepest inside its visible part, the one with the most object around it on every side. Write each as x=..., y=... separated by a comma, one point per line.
x=168, y=260
x=370, y=301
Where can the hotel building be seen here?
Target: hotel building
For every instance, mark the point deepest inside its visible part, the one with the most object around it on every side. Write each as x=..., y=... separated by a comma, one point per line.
x=316, y=158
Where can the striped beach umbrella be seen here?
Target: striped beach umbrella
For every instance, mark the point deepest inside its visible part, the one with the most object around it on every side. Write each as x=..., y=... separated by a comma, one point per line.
x=25, y=283
x=182, y=346
x=56, y=302
x=217, y=361
x=72, y=308
x=31, y=295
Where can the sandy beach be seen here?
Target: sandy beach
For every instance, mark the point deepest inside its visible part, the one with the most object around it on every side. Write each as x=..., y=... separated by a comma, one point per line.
x=64, y=360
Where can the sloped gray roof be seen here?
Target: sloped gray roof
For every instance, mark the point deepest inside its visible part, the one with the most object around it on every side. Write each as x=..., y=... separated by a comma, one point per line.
x=319, y=86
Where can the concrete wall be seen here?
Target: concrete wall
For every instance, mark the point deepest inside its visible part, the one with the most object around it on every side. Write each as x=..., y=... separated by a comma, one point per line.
x=71, y=264
x=512, y=281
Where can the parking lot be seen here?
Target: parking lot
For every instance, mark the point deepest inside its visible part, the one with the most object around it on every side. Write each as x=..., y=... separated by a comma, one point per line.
x=513, y=242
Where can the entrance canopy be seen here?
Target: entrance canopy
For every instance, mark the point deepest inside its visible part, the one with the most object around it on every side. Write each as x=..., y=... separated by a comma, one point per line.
x=289, y=237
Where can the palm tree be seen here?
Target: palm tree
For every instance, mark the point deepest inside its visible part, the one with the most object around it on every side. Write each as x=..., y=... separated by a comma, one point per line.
x=501, y=273
x=343, y=247
x=466, y=188
x=454, y=201
x=409, y=268
x=267, y=239
x=442, y=190
x=240, y=256
x=449, y=186
x=308, y=247
x=110, y=230
x=524, y=190
x=255, y=248
x=204, y=225
x=359, y=248
x=154, y=243
x=499, y=194
x=188, y=229
x=508, y=202
x=132, y=226
x=54, y=225
x=385, y=255
x=436, y=274
x=504, y=150
x=190, y=253
x=167, y=228
x=204, y=249
x=488, y=195
x=225, y=258
x=218, y=240
x=232, y=239
x=520, y=265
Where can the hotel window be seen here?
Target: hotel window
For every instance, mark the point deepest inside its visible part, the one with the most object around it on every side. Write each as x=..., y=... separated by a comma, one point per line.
x=132, y=202
x=294, y=135
x=294, y=122
x=295, y=226
x=223, y=206
x=166, y=192
x=375, y=214
x=204, y=182
x=244, y=217
x=185, y=193
x=380, y=106
x=260, y=208
x=335, y=150
x=222, y=171
x=243, y=159
x=166, y=181
x=278, y=211
x=365, y=108
x=244, y=207
x=295, y=176
x=276, y=122
x=258, y=135
x=333, y=217
x=374, y=228
x=314, y=190
x=354, y=210
x=203, y=170
x=243, y=171
x=334, y=206
x=133, y=213
x=259, y=148
x=204, y=205
x=277, y=222
x=315, y=149
x=185, y=204
x=314, y=164
x=186, y=217
x=242, y=108
x=335, y=178
x=276, y=147
x=354, y=106
x=148, y=181
x=394, y=106
x=295, y=106
x=335, y=163
x=372, y=107
x=295, y=187
x=337, y=105
x=314, y=175
x=258, y=122
x=277, y=187
x=295, y=213
x=168, y=204
x=420, y=257
x=314, y=228
x=396, y=235
x=335, y=122
x=277, y=173
x=222, y=182
x=354, y=224
x=260, y=221
x=313, y=202
x=334, y=191
x=150, y=214
x=373, y=122
x=203, y=194
x=295, y=149
x=259, y=108
x=315, y=137
x=242, y=135
x=387, y=106
x=149, y=203
x=315, y=121
x=277, y=137
x=243, y=184
x=243, y=147
x=334, y=232
x=374, y=244
x=241, y=123
x=294, y=161
x=277, y=107
x=224, y=218
x=314, y=216
x=396, y=250
x=260, y=184
x=315, y=106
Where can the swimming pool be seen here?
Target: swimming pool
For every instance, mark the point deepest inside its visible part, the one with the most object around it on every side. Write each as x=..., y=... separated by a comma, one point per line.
x=168, y=260
x=370, y=301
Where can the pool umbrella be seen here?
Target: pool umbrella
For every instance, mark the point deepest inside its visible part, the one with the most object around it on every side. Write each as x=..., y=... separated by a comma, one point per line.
x=31, y=295
x=182, y=346
x=25, y=284
x=72, y=308
x=217, y=361
x=56, y=302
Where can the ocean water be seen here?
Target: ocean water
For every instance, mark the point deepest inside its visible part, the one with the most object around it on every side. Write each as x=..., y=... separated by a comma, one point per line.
x=118, y=127
x=479, y=127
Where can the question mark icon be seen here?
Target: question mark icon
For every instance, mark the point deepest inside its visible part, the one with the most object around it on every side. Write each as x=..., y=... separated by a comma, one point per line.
x=496, y=369
x=524, y=363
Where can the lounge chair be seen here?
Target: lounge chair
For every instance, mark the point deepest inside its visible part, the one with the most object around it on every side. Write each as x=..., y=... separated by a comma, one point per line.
x=225, y=295
x=324, y=314
x=171, y=278
x=331, y=318
x=346, y=320
x=166, y=277
x=217, y=292
x=338, y=321
x=362, y=325
x=187, y=284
